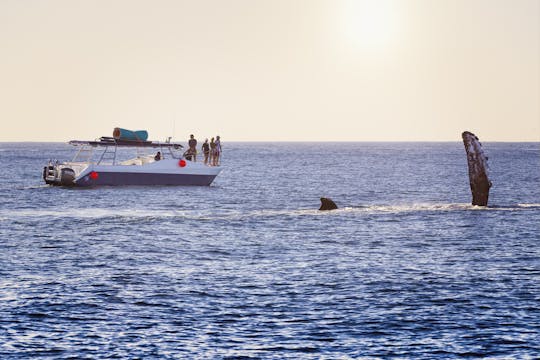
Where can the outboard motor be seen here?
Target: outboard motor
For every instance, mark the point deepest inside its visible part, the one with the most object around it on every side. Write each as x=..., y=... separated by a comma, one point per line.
x=45, y=172
x=67, y=177
x=49, y=174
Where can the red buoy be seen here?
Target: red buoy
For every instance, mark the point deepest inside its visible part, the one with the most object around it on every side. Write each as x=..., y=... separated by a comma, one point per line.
x=182, y=163
x=94, y=175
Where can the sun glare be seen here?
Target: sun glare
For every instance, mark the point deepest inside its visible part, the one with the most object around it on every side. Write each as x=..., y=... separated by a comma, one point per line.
x=370, y=24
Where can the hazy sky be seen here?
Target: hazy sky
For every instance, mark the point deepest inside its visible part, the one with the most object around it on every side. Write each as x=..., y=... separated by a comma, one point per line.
x=253, y=70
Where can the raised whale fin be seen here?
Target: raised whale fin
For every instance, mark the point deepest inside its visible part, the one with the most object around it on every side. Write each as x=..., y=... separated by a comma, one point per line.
x=478, y=169
x=327, y=204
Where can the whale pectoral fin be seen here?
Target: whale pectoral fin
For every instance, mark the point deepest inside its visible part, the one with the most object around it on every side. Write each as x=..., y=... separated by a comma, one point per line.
x=327, y=204
x=478, y=171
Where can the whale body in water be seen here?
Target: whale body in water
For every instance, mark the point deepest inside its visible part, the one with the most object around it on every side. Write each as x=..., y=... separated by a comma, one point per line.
x=327, y=204
x=478, y=169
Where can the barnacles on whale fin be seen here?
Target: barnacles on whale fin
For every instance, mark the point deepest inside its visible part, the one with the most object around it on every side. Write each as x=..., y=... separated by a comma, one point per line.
x=478, y=169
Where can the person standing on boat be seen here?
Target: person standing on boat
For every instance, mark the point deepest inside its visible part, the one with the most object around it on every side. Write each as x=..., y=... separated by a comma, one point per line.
x=218, y=151
x=206, y=151
x=212, y=152
x=193, y=147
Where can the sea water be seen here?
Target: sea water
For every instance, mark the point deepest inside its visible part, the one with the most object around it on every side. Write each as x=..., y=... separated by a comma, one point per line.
x=249, y=268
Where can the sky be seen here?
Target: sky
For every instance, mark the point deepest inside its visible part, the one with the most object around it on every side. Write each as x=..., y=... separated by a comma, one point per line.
x=270, y=70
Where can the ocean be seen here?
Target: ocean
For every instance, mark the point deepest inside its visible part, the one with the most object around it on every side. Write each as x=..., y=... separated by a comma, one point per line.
x=249, y=268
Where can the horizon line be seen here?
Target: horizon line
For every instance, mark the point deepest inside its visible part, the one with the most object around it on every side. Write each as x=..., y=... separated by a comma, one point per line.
x=301, y=141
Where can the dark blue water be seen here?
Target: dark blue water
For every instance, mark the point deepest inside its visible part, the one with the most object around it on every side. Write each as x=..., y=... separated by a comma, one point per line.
x=249, y=268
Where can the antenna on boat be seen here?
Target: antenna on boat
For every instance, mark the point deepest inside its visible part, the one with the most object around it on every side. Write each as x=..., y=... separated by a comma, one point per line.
x=174, y=126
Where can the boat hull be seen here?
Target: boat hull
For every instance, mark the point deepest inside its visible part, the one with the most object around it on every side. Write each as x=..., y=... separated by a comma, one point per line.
x=165, y=172
x=143, y=179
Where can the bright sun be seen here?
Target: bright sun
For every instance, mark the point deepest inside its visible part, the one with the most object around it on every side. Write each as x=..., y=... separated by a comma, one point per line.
x=370, y=24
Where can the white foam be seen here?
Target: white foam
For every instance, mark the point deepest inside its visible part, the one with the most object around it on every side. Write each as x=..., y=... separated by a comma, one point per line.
x=529, y=205
x=82, y=213
x=398, y=208
x=233, y=214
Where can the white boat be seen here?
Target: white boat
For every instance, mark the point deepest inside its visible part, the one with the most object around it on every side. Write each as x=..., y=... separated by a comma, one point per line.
x=99, y=163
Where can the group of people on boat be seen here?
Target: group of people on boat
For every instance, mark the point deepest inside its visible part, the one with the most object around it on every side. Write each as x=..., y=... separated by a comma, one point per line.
x=211, y=150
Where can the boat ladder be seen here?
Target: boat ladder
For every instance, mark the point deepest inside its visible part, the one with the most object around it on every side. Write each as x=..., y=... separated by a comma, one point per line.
x=108, y=154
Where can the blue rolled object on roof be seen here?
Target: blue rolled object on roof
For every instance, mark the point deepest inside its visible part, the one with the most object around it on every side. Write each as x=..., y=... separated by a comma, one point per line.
x=129, y=135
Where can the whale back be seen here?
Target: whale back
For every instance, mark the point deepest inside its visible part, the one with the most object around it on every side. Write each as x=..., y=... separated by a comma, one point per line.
x=327, y=204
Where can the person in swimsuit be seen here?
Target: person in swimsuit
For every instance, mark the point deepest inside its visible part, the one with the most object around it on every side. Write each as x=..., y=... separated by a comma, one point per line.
x=212, y=151
x=206, y=151
x=217, y=151
x=192, y=147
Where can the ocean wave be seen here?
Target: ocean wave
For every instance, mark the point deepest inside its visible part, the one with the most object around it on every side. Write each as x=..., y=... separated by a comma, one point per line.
x=529, y=205
x=399, y=208
x=137, y=214
x=438, y=207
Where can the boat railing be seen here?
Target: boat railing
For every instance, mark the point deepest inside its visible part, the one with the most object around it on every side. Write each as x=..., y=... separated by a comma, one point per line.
x=110, y=146
x=199, y=157
x=84, y=154
x=109, y=155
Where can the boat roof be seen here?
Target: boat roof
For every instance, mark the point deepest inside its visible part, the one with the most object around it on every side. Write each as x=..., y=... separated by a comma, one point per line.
x=110, y=141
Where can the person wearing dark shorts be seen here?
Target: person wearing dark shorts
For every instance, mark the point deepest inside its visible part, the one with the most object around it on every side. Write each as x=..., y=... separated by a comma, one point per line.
x=212, y=152
x=206, y=151
x=192, y=147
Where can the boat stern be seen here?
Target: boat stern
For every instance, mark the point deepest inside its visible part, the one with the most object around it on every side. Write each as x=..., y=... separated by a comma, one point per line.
x=62, y=174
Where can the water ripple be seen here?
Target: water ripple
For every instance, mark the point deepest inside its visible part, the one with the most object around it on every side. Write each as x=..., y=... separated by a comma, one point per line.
x=249, y=268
